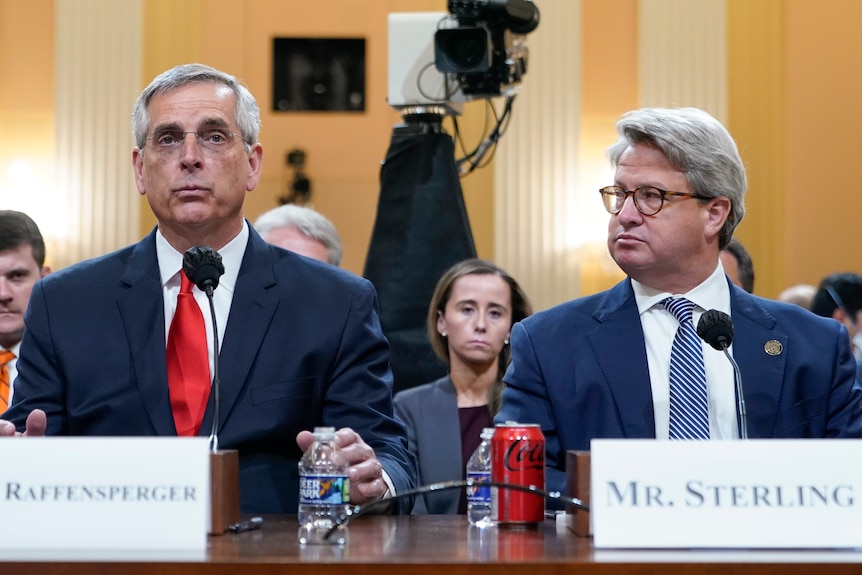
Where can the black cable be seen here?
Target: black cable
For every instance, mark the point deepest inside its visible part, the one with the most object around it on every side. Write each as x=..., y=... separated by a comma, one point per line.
x=359, y=510
x=474, y=159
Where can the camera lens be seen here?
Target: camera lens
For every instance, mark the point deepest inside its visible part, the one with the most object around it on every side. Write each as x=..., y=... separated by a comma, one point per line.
x=462, y=50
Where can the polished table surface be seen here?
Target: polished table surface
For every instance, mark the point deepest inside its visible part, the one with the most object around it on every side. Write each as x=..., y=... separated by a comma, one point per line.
x=430, y=544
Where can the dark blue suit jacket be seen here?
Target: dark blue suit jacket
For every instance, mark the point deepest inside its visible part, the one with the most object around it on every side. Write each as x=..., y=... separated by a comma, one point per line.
x=302, y=348
x=580, y=371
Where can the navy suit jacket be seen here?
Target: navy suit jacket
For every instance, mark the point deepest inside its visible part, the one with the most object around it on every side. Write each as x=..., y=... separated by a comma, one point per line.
x=580, y=371
x=430, y=413
x=302, y=348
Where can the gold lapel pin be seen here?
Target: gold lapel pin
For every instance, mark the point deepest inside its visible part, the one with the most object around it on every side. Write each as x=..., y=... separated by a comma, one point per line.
x=773, y=347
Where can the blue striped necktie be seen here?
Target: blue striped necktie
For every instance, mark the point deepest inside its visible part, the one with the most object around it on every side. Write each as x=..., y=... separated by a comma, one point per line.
x=689, y=408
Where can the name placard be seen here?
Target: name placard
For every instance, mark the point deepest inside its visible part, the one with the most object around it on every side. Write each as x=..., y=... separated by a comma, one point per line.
x=110, y=493
x=766, y=494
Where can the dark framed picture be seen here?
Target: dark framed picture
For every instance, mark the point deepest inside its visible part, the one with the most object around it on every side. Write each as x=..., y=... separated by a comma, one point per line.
x=318, y=74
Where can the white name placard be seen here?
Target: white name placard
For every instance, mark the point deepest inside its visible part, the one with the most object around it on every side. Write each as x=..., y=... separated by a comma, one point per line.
x=768, y=494
x=117, y=493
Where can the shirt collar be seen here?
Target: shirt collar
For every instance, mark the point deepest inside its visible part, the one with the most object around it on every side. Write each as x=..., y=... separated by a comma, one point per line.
x=171, y=261
x=712, y=293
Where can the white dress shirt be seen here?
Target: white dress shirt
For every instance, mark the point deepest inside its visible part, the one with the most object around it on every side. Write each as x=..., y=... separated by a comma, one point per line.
x=659, y=327
x=170, y=264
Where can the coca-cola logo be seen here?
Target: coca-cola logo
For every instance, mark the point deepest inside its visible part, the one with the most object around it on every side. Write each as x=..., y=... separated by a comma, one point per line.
x=522, y=454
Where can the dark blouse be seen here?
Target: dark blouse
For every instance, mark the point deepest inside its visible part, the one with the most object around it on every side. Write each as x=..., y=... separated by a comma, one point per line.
x=472, y=421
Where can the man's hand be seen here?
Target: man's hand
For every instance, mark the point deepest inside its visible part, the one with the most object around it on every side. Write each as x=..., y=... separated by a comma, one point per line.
x=366, y=472
x=35, y=426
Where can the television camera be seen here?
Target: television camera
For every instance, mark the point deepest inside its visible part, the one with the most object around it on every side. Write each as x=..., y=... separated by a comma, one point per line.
x=476, y=51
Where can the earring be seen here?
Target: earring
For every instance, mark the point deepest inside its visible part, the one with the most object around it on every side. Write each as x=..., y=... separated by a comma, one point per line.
x=506, y=341
x=443, y=334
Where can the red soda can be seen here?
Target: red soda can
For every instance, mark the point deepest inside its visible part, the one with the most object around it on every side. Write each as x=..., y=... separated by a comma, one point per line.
x=517, y=457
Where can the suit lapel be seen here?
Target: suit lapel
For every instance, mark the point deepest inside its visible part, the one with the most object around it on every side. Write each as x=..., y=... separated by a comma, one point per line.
x=141, y=306
x=618, y=344
x=444, y=425
x=762, y=374
x=251, y=313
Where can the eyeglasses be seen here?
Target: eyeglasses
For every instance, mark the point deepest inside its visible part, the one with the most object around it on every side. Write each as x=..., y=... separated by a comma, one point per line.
x=213, y=141
x=648, y=200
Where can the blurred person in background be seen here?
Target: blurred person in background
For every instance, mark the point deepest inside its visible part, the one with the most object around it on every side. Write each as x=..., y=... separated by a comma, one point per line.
x=738, y=265
x=301, y=230
x=799, y=294
x=839, y=296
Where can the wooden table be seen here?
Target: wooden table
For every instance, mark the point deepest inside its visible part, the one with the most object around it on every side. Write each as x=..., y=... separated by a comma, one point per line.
x=427, y=545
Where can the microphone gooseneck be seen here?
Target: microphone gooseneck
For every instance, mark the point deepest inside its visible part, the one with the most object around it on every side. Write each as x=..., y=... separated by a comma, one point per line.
x=716, y=328
x=359, y=510
x=203, y=266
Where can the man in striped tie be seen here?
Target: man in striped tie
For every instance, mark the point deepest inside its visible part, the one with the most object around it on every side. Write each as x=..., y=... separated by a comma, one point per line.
x=628, y=362
x=22, y=263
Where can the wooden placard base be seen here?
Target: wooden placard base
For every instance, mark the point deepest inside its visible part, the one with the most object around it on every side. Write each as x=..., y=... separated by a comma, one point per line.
x=224, y=490
x=578, y=486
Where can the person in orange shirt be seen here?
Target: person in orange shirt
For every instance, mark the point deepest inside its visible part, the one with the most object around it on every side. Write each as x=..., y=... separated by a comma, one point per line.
x=22, y=264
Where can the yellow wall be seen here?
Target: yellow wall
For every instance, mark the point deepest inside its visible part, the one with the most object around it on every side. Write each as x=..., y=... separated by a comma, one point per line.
x=793, y=92
x=26, y=101
x=756, y=109
x=823, y=93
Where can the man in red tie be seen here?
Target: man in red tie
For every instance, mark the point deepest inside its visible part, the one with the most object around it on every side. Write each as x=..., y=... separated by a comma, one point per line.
x=22, y=263
x=300, y=341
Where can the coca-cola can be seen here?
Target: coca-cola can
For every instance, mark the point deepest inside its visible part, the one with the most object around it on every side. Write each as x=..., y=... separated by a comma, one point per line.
x=517, y=457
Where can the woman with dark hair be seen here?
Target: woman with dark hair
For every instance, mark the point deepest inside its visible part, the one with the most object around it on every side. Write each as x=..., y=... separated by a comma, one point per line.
x=470, y=317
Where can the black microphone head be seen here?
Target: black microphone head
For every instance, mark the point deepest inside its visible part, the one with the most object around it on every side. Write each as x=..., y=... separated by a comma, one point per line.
x=203, y=267
x=716, y=328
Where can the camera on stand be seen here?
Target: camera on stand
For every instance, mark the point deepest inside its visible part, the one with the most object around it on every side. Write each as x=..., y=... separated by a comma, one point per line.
x=487, y=51
x=439, y=60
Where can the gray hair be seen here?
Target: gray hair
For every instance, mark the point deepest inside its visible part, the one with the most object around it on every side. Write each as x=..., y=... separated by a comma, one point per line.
x=698, y=145
x=310, y=223
x=247, y=111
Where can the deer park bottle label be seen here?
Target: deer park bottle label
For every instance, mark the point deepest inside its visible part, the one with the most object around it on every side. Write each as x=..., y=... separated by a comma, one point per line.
x=517, y=457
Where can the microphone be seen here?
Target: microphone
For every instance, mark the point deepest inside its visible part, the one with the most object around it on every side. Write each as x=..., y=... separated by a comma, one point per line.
x=203, y=267
x=716, y=328
x=359, y=510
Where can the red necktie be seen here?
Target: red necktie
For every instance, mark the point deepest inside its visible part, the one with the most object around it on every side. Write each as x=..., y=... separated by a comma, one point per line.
x=5, y=357
x=188, y=362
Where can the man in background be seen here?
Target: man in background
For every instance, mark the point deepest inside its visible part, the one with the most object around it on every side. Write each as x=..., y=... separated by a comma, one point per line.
x=839, y=296
x=799, y=294
x=301, y=344
x=612, y=365
x=738, y=265
x=22, y=263
x=301, y=230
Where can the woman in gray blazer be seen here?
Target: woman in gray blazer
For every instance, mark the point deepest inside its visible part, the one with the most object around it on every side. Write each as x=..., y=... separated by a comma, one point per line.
x=470, y=317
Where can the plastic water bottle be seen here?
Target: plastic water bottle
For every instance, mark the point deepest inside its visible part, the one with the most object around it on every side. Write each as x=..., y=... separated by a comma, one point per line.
x=324, y=490
x=479, y=470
